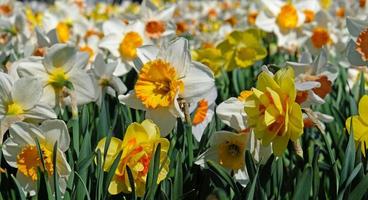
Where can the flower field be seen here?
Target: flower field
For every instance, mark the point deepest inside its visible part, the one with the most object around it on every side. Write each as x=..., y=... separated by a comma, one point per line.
x=163, y=99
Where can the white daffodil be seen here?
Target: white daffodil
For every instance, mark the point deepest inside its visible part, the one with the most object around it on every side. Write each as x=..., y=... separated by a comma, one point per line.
x=20, y=151
x=283, y=19
x=104, y=80
x=167, y=77
x=321, y=33
x=20, y=100
x=314, y=79
x=157, y=22
x=122, y=42
x=62, y=74
x=357, y=49
x=231, y=112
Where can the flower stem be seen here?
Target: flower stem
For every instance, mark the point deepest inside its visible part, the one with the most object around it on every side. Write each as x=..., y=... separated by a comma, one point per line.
x=188, y=132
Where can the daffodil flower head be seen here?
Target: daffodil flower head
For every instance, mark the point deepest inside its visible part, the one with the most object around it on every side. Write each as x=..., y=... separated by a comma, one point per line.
x=168, y=76
x=21, y=151
x=138, y=146
x=358, y=124
x=211, y=57
x=242, y=49
x=272, y=110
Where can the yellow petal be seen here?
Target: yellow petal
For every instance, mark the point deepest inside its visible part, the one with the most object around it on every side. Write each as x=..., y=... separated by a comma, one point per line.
x=151, y=129
x=363, y=108
x=114, y=148
x=135, y=134
x=295, y=123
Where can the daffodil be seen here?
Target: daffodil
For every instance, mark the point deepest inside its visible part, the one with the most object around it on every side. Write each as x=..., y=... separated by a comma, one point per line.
x=20, y=151
x=358, y=124
x=104, y=80
x=19, y=100
x=61, y=72
x=122, y=42
x=357, y=53
x=242, y=49
x=272, y=111
x=228, y=149
x=138, y=147
x=212, y=57
x=168, y=76
x=283, y=19
x=314, y=78
x=157, y=21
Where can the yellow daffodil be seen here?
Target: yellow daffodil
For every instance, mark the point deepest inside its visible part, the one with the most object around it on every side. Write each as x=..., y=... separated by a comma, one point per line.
x=272, y=110
x=359, y=124
x=242, y=48
x=138, y=146
x=211, y=57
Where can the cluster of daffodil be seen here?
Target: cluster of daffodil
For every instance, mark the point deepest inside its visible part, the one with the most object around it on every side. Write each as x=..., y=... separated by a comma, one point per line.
x=57, y=58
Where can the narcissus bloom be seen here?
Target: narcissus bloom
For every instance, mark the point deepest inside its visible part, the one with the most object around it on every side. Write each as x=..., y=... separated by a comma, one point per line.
x=272, y=110
x=20, y=151
x=242, y=49
x=138, y=146
x=19, y=100
x=168, y=76
x=60, y=69
x=359, y=124
x=212, y=57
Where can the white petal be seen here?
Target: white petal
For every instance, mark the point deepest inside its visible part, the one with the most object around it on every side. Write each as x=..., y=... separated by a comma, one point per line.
x=131, y=101
x=231, y=112
x=56, y=131
x=163, y=119
x=177, y=53
x=353, y=56
x=83, y=87
x=355, y=26
x=60, y=55
x=40, y=112
x=265, y=23
x=198, y=82
x=147, y=53
x=111, y=43
x=27, y=92
x=6, y=84
x=307, y=85
x=122, y=68
x=113, y=26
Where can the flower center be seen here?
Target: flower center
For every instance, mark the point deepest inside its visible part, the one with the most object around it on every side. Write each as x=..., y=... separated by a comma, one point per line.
x=231, y=154
x=362, y=3
x=201, y=112
x=340, y=12
x=6, y=9
x=157, y=84
x=362, y=44
x=14, y=109
x=251, y=18
x=129, y=44
x=309, y=15
x=288, y=17
x=58, y=78
x=320, y=37
x=154, y=28
x=62, y=31
x=28, y=160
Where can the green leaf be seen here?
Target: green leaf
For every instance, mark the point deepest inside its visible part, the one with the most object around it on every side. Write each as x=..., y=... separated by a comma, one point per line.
x=177, y=192
x=154, y=170
x=55, y=175
x=131, y=182
x=349, y=159
x=19, y=188
x=360, y=190
x=303, y=185
x=222, y=173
